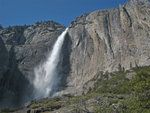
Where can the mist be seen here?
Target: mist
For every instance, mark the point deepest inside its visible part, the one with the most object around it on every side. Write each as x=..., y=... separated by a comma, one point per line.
x=47, y=76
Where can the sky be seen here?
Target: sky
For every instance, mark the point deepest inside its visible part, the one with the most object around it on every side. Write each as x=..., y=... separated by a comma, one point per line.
x=20, y=12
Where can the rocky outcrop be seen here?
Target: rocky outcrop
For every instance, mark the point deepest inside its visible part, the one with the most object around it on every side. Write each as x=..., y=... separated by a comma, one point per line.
x=22, y=48
x=106, y=40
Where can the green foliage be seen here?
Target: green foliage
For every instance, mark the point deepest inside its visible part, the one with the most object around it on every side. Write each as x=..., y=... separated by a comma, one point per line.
x=77, y=109
x=37, y=23
x=118, y=84
x=132, y=105
x=1, y=27
x=8, y=110
x=140, y=85
x=52, y=103
x=68, y=95
x=104, y=109
x=137, y=89
x=117, y=92
x=76, y=99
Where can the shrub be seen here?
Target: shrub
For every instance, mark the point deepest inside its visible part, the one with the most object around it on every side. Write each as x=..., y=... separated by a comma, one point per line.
x=1, y=26
x=141, y=87
x=104, y=109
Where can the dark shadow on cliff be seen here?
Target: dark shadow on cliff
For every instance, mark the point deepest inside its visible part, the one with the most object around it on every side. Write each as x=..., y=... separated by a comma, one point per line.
x=15, y=89
x=65, y=64
x=3, y=58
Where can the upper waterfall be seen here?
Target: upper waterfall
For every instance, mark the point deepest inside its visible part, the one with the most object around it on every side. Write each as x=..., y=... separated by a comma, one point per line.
x=46, y=74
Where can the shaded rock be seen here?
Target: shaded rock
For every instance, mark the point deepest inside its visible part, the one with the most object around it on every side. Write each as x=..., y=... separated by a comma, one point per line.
x=23, y=48
x=3, y=58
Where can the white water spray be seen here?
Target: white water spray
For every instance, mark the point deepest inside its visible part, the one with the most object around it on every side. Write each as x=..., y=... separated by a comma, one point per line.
x=46, y=74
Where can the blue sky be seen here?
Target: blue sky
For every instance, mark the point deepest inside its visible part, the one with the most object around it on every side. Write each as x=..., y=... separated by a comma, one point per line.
x=20, y=12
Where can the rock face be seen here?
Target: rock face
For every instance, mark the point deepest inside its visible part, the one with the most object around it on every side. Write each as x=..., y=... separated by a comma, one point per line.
x=3, y=58
x=22, y=48
x=106, y=40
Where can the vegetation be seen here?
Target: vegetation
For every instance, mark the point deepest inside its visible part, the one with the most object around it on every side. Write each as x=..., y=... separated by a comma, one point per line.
x=121, y=95
x=104, y=109
x=47, y=102
x=8, y=110
x=135, y=92
x=139, y=102
x=1, y=27
x=112, y=93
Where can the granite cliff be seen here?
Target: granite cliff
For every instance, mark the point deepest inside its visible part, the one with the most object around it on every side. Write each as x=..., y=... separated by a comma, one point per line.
x=104, y=40
x=23, y=48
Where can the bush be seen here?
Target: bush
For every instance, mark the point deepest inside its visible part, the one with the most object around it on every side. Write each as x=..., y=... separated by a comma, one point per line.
x=1, y=26
x=139, y=101
x=104, y=109
x=8, y=110
x=141, y=87
x=137, y=89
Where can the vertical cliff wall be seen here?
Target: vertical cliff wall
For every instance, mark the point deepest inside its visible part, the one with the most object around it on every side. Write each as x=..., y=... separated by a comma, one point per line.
x=22, y=48
x=104, y=40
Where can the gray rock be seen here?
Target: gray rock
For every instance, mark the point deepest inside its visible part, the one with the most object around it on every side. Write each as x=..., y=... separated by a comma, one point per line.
x=105, y=39
x=22, y=48
x=130, y=75
x=100, y=41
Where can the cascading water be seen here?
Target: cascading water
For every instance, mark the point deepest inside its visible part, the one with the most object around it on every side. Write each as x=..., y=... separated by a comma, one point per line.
x=46, y=74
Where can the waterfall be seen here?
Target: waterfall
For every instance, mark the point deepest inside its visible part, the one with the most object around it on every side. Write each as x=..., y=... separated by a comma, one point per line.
x=46, y=75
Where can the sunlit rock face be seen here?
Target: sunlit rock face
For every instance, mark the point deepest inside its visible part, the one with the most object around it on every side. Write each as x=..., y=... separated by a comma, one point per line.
x=105, y=39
